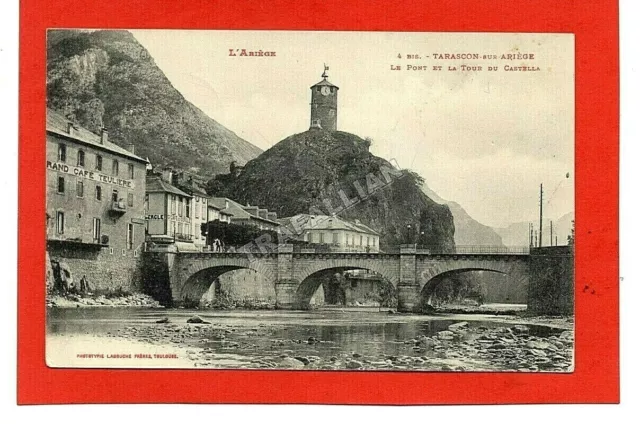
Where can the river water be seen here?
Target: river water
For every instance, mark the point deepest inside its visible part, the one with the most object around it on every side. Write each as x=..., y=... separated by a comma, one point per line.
x=334, y=338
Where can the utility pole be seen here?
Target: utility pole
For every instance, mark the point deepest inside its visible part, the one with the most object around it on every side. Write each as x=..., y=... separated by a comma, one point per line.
x=551, y=232
x=556, y=240
x=536, y=238
x=540, y=240
x=530, y=234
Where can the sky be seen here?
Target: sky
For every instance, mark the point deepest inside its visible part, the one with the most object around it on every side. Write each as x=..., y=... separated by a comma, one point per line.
x=484, y=139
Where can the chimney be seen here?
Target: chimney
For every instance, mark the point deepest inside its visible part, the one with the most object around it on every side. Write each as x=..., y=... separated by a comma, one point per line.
x=130, y=147
x=226, y=203
x=167, y=175
x=104, y=134
x=70, y=128
x=262, y=213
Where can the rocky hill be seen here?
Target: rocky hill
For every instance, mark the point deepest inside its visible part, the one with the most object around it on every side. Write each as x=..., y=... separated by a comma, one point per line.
x=469, y=232
x=334, y=173
x=106, y=78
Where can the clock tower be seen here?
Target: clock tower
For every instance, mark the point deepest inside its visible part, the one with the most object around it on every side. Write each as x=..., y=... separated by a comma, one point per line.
x=324, y=104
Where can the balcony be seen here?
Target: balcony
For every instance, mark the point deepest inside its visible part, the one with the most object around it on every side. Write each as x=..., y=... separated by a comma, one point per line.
x=118, y=207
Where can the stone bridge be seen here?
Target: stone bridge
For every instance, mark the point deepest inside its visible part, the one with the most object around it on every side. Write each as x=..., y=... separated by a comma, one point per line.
x=297, y=276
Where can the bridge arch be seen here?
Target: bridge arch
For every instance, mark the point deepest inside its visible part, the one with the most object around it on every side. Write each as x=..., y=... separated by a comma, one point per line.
x=389, y=269
x=200, y=273
x=431, y=276
x=314, y=275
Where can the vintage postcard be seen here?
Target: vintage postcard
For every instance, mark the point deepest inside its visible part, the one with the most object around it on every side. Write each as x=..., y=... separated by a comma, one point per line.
x=310, y=200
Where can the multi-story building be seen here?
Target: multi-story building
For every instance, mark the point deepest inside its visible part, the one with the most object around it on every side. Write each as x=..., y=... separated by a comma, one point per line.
x=216, y=213
x=246, y=215
x=168, y=214
x=198, y=207
x=338, y=234
x=95, y=205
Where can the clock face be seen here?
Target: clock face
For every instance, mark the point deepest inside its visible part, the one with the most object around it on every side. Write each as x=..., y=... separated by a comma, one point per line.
x=325, y=91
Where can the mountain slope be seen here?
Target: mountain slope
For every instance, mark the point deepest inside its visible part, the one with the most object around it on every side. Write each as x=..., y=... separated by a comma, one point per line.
x=106, y=78
x=469, y=232
x=328, y=173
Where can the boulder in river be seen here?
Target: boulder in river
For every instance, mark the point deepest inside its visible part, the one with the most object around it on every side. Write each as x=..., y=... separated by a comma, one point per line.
x=197, y=320
x=302, y=359
x=520, y=329
x=445, y=335
x=353, y=365
x=290, y=362
x=459, y=326
x=164, y=320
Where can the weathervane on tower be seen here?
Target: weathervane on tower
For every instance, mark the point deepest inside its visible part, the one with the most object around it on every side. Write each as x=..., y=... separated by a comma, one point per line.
x=324, y=74
x=324, y=104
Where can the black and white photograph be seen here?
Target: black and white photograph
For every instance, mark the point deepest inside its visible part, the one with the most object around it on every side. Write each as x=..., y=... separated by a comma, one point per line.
x=310, y=200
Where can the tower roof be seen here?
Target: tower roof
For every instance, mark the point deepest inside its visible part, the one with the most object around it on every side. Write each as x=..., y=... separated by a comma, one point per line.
x=323, y=83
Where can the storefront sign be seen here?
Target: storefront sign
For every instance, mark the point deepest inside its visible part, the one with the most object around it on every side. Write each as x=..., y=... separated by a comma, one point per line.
x=90, y=175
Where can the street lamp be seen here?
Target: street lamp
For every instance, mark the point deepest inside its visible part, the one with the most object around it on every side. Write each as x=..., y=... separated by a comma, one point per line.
x=408, y=233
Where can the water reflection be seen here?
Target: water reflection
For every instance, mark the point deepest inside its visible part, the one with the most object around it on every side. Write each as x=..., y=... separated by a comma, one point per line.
x=337, y=331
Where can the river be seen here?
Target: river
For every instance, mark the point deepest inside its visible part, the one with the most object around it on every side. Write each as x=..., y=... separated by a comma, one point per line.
x=332, y=338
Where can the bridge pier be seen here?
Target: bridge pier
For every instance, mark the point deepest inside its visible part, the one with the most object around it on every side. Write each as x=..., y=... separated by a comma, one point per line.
x=287, y=294
x=408, y=289
x=408, y=297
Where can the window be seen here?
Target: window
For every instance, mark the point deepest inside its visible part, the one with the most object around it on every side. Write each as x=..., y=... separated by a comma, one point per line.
x=80, y=158
x=60, y=222
x=173, y=204
x=114, y=196
x=146, y=203
x=80, y=188
x=321, y=237
x=335, y=238
x=347, y=241
x=204, y=210
x=188, y=210
x=197, y=209
x=360, y=239
x=180, y=228
x=98, y=162
x=131, y=171
x=60, y=184
x=98, y=192
x=180, y=207
x=130, y=199
x=130, y=236
x=62, y=152
x=367, y=240
x=96, y=230
x=114, y=168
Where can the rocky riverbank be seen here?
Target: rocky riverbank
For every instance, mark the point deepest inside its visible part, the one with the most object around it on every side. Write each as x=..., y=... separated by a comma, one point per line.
x=462, y=347
x=96, y=300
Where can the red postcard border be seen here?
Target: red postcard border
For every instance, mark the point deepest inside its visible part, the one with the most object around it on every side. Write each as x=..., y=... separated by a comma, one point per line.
x=596, y=378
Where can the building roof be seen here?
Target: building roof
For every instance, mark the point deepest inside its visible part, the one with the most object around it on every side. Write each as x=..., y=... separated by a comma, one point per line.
x=235, y=209
x=193, y=189
x=58, y=124
x=303, y=222
x=323, y=83
x=157, y=185
x=218, y=208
